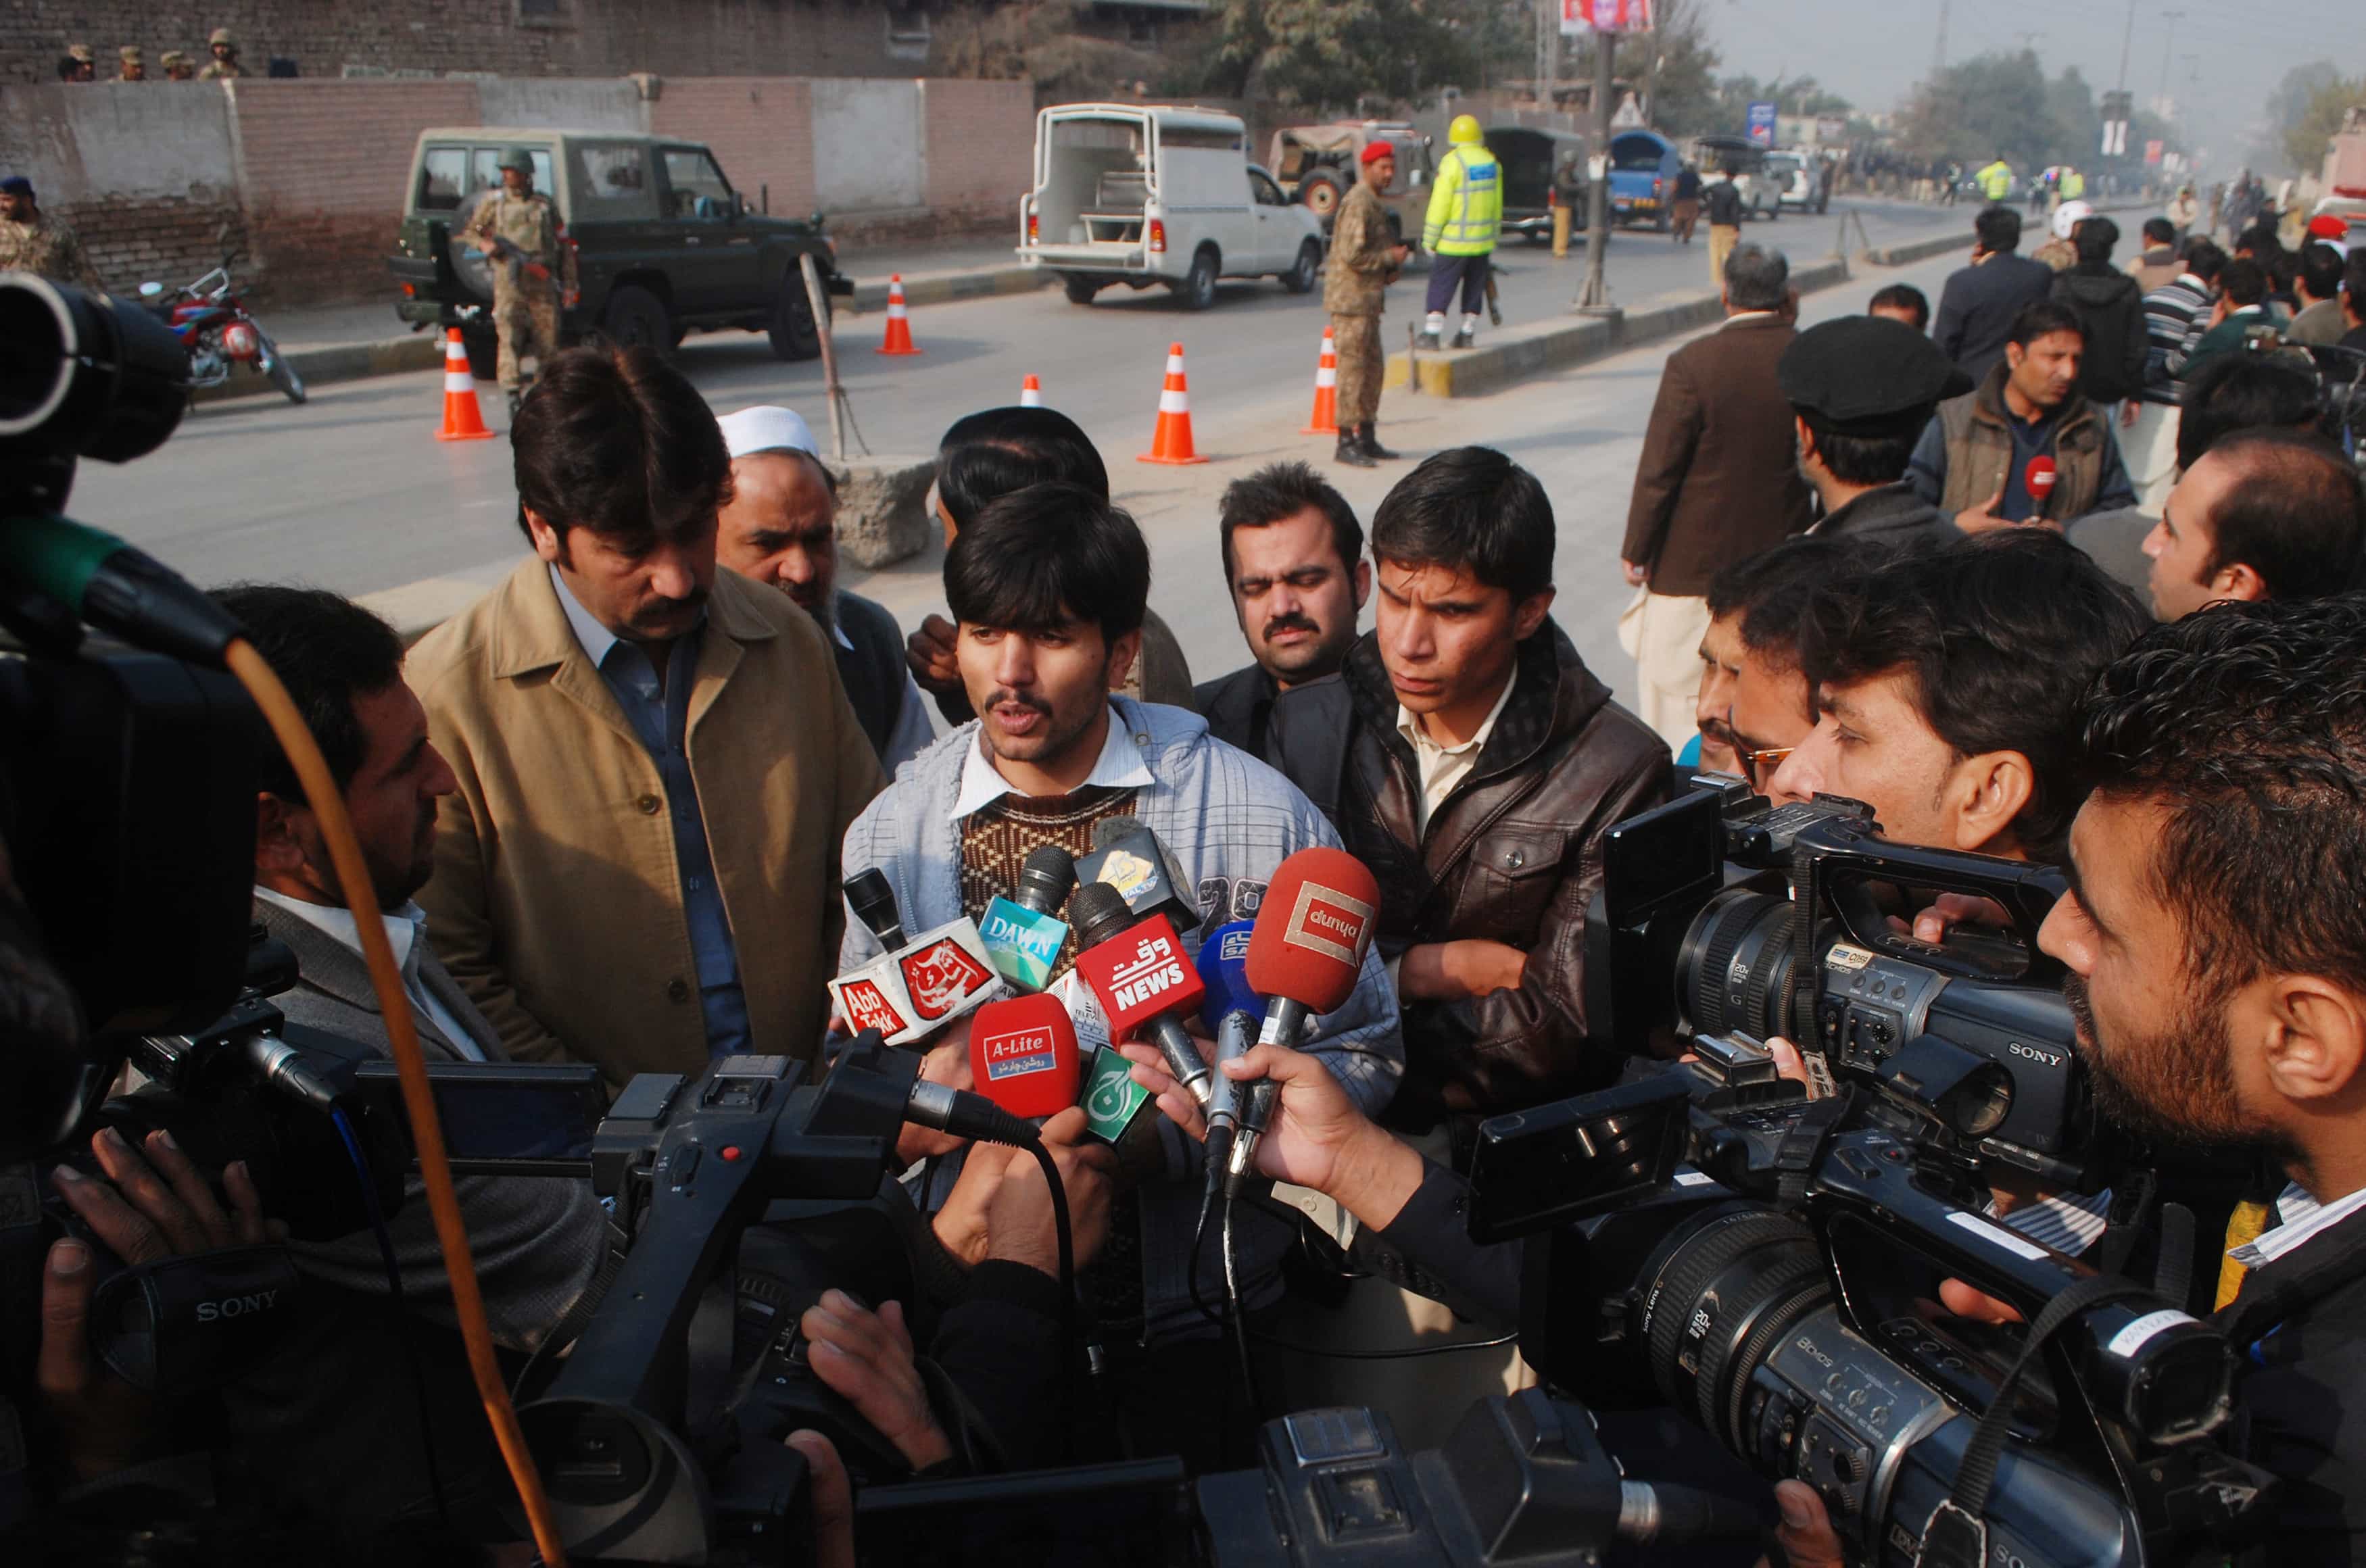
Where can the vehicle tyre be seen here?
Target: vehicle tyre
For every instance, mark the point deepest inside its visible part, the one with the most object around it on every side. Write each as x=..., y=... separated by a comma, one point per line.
x=1321, y=193
x=284, y=375
x=638, y=319
x=791, y=329
x=1079, y=288
x=1308, y=270
x=1197, y=289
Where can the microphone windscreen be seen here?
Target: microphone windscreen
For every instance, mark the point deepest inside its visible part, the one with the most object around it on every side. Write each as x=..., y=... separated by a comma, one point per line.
x=1312, y=929
x=1139, y=975
x=2039, y=477
x=874, y=902
x=1223, y=969
x=1097, y=912
x=1045, y=878
x=1022, y=1055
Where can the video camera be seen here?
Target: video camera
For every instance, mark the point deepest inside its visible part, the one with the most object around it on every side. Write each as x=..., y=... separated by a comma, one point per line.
x=1708, y=1235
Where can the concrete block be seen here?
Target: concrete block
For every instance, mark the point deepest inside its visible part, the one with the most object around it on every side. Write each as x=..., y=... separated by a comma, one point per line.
x=882, y=517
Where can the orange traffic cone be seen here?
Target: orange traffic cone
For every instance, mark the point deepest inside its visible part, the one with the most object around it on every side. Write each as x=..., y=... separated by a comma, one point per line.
x=1324, y=420
x=463, y=420
x=899, y=325
x=1031, y=394
x=1171, y=442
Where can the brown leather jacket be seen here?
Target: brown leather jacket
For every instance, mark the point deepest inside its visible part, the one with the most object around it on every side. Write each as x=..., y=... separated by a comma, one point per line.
x=1513, y=856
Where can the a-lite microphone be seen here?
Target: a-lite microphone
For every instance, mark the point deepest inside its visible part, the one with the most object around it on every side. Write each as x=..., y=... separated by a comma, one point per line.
x=1142, y=978
x=1127, y=856
x=1305, y=953
x=1023, y=932
x=1022, y=1055
x=874, y=902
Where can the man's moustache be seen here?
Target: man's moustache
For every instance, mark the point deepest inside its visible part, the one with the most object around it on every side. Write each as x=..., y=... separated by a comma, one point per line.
x=1005, y=694
x=1289, y=624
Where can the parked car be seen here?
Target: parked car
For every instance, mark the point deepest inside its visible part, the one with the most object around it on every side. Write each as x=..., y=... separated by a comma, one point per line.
x=1144, y=194
x=1314, y=164
x=1800, y=179
x=1748, y=161
x=1643, y=169
x=1542, y=170
x=664, y=245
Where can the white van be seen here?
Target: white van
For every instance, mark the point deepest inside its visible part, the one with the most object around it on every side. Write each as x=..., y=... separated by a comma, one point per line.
x=1139, y=194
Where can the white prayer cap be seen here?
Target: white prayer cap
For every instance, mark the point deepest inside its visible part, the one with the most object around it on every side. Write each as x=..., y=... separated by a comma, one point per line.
x=767, y=428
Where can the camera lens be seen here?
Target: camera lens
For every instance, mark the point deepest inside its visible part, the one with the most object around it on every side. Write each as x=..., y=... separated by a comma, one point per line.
x=1735, y=968
x=80, y=373
x=1727, y=1288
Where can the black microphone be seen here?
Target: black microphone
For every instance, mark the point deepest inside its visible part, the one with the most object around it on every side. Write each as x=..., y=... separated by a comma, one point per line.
x=1022, y=933
x=874, y=902
x=1127, y=856
x=1045, y=879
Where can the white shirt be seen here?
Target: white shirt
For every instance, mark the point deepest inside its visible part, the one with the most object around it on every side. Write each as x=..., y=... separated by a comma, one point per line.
x=1444, y=767
x=1119, y=767
x=2301, y=1218
x=405, y=932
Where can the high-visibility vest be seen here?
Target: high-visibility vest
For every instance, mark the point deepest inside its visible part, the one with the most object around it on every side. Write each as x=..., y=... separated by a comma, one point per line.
x=2074, y=186
x=1466, y=206
x=1996, y=180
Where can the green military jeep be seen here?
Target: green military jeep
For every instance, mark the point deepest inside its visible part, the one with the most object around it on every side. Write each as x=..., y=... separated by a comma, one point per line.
x=663, y=245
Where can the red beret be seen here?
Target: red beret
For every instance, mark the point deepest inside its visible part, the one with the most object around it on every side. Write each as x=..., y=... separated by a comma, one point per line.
x=1375, y=150
x=2327, y=225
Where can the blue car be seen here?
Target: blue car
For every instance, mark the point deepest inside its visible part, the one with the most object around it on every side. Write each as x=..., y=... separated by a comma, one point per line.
x=1643, y=167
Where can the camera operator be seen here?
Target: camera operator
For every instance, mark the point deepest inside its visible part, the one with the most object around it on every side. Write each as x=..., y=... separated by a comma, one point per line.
x=321, y=1409
x=1769, y=708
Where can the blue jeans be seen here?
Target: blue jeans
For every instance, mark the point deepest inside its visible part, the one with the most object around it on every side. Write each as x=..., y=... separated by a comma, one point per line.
x=1444, y=271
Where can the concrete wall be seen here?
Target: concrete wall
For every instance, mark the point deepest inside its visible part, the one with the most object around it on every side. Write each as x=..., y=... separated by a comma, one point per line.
x=870, y=149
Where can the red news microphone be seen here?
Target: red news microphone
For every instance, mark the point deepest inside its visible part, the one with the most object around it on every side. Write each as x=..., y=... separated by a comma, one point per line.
x=1306, y=952
x=1022, y=1055
x=1143, y=980
x=2038, y=479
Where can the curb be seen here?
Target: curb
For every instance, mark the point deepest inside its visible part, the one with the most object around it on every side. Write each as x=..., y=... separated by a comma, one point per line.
x=939, y=288
x=1526, y=351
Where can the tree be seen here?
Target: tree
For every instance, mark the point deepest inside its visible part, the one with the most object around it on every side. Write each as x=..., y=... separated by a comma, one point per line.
x=2001, y=103
x=1041, y=40
x=1322, y=54
x=2306, y=134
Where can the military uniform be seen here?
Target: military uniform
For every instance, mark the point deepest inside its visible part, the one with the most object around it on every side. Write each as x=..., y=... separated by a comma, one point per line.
x=176, y=66
x=48, y=247
x=525, y=308
x=134, y=70
x=1363, y=263
x=222, y=70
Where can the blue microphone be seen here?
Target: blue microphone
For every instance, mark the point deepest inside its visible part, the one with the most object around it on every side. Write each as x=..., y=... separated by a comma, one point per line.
x=1223, y=960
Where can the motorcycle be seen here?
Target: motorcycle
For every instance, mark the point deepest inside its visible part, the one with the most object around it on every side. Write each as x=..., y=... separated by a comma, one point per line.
x=218, y=332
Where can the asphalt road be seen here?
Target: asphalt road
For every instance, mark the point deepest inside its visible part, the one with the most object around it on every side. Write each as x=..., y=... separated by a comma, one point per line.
x=352, y=491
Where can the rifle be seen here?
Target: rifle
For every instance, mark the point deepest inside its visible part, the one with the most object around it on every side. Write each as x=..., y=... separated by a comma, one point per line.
x=506, y=250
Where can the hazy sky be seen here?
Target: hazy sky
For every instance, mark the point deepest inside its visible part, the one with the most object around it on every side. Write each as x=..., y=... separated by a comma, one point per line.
x=1871, y=52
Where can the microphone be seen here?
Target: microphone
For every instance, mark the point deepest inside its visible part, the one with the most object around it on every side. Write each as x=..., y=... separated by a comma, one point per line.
x=1022, y=1055
x=1222, y=959
x=1127, y=856
x=935, y=976
x=874, y=902
x=1306, y=950
x=2038, y=478
x=1022, y=933
x=1138, y=974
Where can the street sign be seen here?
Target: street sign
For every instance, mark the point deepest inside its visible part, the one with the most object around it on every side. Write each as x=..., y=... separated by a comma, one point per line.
x=1606, y=16
x=2152, y=152
x=1761, y=125
x=1832, y=129
x=2116, y=137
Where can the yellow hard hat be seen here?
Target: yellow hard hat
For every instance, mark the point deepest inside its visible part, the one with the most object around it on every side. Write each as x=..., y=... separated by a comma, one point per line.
x=1464, y=130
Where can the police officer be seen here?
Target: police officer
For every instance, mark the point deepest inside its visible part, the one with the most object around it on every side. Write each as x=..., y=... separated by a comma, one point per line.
x=134, y=68
x=33, y=241
x=1365, y=259
x=1466, y=209
x=1995, y=181
x=225, y=61
x=519, y=232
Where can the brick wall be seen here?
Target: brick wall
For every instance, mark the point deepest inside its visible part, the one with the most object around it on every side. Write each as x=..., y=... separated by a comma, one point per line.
x=761, y=129
x=980, y=148
x=167, y=239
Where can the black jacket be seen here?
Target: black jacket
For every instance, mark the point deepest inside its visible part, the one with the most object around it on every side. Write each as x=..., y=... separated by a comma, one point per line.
x=1514, y=856
x=2110, y=306
x=1237, y=708
x=873, y=670
x=1976, y=308
x=1721, y=203
x=1892, y=515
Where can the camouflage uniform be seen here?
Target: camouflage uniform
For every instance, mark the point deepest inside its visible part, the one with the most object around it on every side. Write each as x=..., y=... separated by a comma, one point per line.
x=525, y=308
x=48, y=247
x=1363, y=263
x=221, y=69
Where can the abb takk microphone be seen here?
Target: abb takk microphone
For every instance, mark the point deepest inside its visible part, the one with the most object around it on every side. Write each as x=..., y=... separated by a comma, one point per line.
x=1023, y=932
x=1022, y=1055
x=1142, y=978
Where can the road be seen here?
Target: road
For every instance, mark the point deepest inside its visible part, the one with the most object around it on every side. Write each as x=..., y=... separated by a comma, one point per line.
x=352, y=492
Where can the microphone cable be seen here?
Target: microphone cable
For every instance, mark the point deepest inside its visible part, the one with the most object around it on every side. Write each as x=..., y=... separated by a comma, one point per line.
x=401, y=1312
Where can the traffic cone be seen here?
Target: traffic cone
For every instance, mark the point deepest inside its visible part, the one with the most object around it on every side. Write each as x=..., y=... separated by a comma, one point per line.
x=899, y=325
x=1171, y=442
x=1031, y=394
x=463, y=420
x=1325, y=420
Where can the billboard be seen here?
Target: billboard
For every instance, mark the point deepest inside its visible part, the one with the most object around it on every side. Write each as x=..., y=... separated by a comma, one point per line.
x=1606, y=16
x=1761, y=125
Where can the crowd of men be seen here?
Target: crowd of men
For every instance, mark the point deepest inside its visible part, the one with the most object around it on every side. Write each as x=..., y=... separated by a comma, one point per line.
x=608, y=810
x=79, y=63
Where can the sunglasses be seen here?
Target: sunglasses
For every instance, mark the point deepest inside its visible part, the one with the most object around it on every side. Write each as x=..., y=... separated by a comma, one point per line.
x=1759, y=766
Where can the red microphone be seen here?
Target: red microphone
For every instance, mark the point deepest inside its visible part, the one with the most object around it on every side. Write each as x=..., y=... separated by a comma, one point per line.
x=1145, y=983
x=1022, y=1055
x=1305, y=953
x=2038, y=478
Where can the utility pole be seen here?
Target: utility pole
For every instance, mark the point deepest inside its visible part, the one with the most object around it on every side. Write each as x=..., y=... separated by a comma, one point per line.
x=1939, y=50
x=2127, y=37
x=2167, y=42
x=1595, y=298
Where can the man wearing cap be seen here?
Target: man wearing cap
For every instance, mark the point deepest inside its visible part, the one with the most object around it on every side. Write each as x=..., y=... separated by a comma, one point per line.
x=1466, y=209
x=133, y=69
x=1861, y=389
x=1365, y=259
x=781, y=527
x=176, y=66
x=225, y=66
x=85, y=66
x=33, y=241
x=519, y=232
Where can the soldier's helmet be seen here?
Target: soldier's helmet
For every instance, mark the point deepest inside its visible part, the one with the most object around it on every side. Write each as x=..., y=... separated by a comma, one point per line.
x=79, y=51
x=222, y=35
x=171, y=58
x=130, y=54
x=1463, y=131
x=516, y=158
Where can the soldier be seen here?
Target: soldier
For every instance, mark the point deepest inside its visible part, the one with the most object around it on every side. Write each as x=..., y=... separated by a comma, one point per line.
x=176, y=66
x=133, y=70
x=32, y=241
x=78, y=65
x=225, y=61
x=1466, y=209
x=1365, y=258
x=519, y=230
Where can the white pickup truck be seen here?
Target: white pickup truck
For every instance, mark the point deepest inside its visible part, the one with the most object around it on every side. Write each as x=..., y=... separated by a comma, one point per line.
x=1142, y=194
